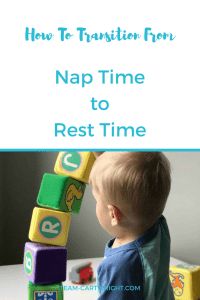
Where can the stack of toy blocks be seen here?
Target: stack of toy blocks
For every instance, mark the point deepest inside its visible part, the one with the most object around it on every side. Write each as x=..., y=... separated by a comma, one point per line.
x=60, y=194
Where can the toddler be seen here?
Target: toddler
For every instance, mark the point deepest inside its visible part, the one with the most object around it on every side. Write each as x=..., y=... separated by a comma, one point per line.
x=131, y=190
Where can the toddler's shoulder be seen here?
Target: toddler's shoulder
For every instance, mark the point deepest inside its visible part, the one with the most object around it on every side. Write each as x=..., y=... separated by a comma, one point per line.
x=122, y=260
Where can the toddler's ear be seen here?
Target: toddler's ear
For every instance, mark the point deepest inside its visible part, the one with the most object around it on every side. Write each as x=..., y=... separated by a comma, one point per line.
x=115, y=214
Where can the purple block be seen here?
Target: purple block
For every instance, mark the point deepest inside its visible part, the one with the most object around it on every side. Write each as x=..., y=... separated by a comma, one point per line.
x=44, y=264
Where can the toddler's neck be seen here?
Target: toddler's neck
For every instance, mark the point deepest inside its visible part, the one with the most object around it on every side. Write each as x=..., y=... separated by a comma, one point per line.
x=122, y=240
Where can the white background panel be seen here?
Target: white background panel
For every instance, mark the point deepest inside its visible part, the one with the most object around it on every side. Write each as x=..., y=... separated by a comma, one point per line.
x=167, y=104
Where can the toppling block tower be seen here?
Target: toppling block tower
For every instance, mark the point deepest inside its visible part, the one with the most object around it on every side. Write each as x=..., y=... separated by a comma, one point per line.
x=45, y=257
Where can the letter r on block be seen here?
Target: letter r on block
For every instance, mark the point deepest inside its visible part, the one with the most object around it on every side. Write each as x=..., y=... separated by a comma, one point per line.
x=47, y=226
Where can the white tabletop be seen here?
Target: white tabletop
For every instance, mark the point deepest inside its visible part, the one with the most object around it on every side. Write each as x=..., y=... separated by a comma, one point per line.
x=14, y=283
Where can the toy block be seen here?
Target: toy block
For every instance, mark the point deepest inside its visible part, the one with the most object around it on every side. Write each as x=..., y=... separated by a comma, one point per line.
x=49, y=226
x=185, y=281
x=45, y=292
x=75, y=164
x=45, y=264
x=61, y=192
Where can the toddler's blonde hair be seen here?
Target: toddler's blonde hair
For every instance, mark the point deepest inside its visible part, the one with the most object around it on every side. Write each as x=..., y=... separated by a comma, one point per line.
x=139, y=181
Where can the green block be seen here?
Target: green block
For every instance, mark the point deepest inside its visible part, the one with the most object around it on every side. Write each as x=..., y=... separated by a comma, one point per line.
x=61, y=193
x=45, y=292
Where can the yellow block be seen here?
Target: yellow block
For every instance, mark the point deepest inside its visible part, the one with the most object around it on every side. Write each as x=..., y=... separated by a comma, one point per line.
x=185, y=280
x=75, y=164
x=49, y=226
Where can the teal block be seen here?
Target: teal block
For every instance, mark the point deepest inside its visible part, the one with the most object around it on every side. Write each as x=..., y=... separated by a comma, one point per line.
x=45, y=292
x=61, y=193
